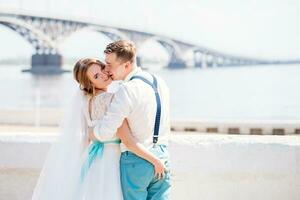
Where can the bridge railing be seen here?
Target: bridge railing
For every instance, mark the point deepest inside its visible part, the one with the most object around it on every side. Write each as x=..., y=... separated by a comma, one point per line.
x=246, y=127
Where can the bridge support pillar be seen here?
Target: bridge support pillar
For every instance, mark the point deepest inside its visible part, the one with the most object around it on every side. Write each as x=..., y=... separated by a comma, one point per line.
x=198, y=59
x=198, y=64
x=178, y=64
x=139, y=61
x=210, y=64
x=46, y=64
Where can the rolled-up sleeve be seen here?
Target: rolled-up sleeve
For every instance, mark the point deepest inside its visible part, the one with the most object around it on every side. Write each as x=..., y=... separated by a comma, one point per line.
x=117, y=111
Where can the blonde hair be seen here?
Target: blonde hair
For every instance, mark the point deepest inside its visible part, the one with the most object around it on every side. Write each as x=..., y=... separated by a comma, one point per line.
x=124, y=49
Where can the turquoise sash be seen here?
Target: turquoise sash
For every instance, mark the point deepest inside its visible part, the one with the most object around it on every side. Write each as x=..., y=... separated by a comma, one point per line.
x=95, y=149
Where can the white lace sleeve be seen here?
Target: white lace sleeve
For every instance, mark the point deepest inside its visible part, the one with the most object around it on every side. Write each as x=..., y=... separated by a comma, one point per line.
x=98, y=108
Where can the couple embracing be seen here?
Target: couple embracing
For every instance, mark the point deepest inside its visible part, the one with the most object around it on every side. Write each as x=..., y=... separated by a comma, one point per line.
x=112, y=146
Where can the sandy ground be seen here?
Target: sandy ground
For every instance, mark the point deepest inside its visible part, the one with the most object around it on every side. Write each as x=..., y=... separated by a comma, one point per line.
x=22, y=129
x=13, y=178
x=25, y=179
x=10, y=179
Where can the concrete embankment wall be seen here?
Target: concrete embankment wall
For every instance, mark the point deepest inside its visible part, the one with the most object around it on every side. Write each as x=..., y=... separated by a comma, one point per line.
x=208, y=167
x=52, y=117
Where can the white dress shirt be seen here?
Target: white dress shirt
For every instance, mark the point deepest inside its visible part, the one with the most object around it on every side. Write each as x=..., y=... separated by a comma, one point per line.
x=135, y=100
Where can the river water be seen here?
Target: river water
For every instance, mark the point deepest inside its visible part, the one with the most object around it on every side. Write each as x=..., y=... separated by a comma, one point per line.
x=243, y=93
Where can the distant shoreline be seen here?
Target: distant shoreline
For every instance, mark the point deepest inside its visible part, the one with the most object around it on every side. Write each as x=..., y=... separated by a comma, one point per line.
x=71, y=61
x=27, y=61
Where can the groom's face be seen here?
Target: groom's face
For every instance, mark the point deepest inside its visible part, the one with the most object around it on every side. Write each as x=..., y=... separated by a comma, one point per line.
x=115, y=67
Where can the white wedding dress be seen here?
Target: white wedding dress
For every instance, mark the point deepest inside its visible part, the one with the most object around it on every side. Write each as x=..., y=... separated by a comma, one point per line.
x=61, y=177
x=103, y=178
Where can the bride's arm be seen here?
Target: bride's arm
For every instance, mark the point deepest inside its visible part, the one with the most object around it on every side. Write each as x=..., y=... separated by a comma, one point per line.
x=129, y=141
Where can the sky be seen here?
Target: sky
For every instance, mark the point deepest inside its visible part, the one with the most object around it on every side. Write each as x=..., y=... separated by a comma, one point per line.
x=262, y=29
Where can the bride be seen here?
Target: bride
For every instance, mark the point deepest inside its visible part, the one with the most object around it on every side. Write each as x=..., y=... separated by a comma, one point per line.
x=78, y=167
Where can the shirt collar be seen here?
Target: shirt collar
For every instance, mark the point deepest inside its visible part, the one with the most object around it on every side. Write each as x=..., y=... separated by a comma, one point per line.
x=134, y=72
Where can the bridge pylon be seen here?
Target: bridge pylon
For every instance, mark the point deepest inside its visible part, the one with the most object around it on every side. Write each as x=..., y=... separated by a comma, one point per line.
x=46, y=64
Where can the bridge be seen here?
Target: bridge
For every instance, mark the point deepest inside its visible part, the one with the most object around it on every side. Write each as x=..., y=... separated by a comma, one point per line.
x=45, y=33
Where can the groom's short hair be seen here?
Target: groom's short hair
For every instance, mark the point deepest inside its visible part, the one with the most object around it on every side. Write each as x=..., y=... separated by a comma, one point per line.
x=124, y=50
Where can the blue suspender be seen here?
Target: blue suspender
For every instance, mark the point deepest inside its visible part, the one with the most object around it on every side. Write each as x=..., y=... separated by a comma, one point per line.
x=158, y=105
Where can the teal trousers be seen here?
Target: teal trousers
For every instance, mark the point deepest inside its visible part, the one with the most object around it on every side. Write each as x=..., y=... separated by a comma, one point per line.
x=137, y=176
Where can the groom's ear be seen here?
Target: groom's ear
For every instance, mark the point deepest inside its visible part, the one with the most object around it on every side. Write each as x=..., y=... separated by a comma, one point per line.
x=127, y=65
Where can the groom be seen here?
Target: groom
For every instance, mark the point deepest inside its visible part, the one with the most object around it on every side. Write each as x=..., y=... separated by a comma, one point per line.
x=143, y=99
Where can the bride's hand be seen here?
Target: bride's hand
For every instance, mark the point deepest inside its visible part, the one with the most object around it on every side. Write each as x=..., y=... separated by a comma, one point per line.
x=159, y=168
x=91, y=135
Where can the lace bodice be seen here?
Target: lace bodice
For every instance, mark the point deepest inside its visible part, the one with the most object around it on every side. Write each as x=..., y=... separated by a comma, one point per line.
x=96, y=107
